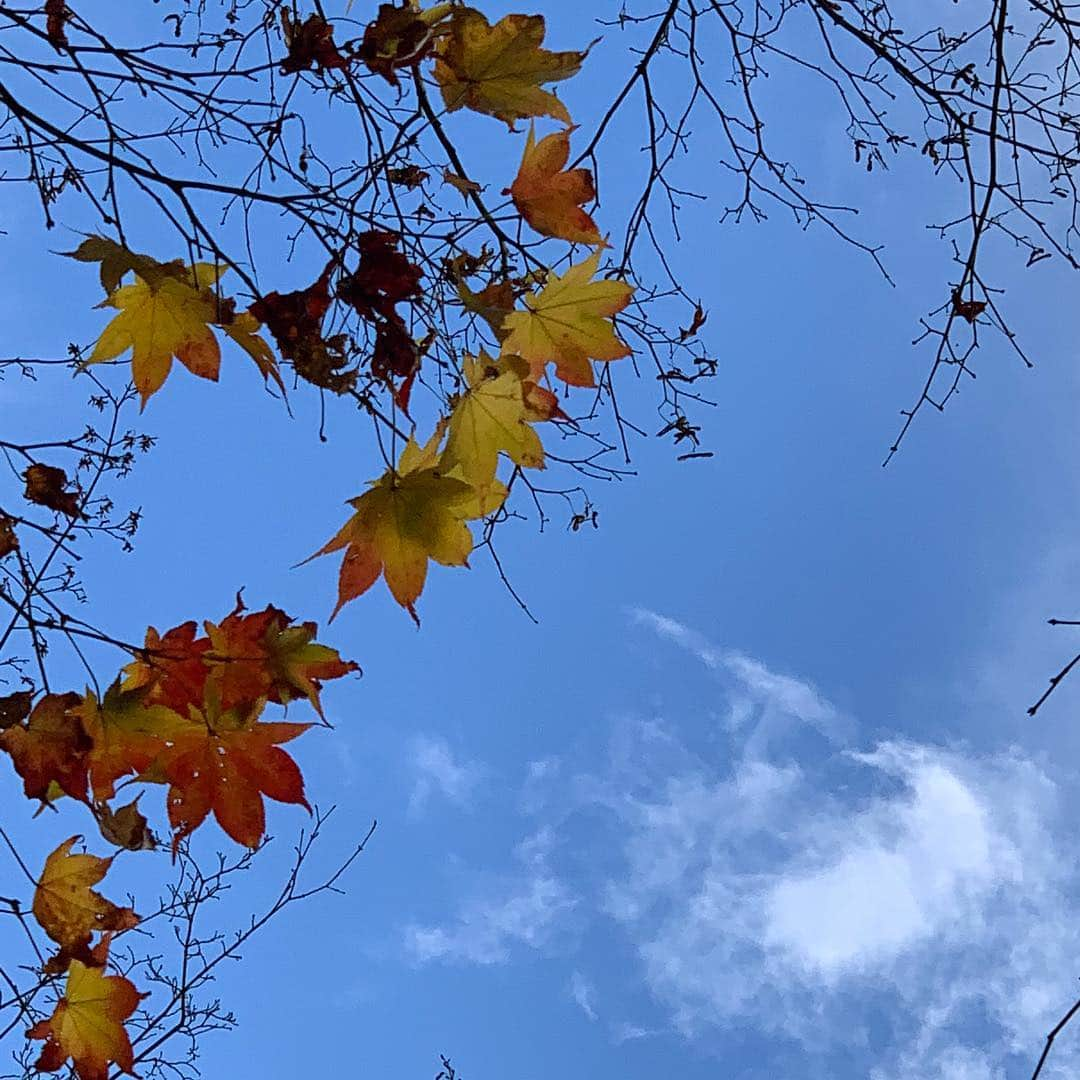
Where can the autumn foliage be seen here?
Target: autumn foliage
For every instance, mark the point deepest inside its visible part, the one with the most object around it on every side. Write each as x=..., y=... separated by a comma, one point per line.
x=190, y=714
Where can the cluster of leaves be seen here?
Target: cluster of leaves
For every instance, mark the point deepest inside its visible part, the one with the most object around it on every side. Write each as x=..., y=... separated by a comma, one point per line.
x=186, y=713
x=548, y=328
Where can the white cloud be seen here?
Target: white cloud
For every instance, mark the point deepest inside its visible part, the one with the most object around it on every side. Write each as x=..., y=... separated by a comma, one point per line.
x=913, y=904
x=892, y=874
x=765, y=704
x=904, y=912
x=583, y=994
x=526, y=909
x=437, y=771
x=626, y=1032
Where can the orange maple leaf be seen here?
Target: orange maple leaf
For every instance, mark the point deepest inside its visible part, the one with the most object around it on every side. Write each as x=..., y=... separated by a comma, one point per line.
x=261, y=655
x=88, y=1024
x=225, y=763
x=126, y=736
x=66, y=906
x=170, y=670
x=549, y=196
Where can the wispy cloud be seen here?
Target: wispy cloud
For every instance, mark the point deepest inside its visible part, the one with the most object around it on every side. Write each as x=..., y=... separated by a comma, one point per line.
x=764, y=703
x=583, y=994
x=437, y=771
x=901, y=911
x=526, y=908
x=922, y=890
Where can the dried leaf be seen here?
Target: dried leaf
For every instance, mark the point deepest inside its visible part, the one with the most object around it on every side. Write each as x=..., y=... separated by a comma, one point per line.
x=310, y=45
x=50, y=748
x=45, y=486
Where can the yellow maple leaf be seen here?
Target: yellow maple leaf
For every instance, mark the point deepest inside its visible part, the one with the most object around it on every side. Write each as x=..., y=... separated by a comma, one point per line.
x=160, y=321
x=408, y=516
x=171, y=315
x=491, y=418
x=500, y=69
x=549, y=196
x=88, y=1024
x=65, y=904
x=569, y=322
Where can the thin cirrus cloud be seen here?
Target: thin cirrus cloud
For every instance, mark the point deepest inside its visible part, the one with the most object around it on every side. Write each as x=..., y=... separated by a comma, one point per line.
x=893, y=912
x=520, y=910
x=765, y=703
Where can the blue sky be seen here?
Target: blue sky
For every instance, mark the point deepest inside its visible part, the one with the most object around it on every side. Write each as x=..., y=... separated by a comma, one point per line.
x=758, y=796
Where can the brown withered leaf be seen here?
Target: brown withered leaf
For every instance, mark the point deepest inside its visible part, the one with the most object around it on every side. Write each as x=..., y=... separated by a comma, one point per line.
x=295, y=320
x=696, y=323
x=969, y=310
x=50, y=748
x=45, y=486
x=114, y=261
x=408, y=176
x=15, y=708
x=310, y=44
x=398, y=37
x=9, y=542
x=56, y=17
x=126, y=827
x=383, y=278
x=462, y=184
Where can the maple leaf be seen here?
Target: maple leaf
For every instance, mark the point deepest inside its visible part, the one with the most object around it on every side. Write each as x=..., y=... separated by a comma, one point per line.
x=15, y=708
x=66, y=906
x=969, y=310
x=569, y=322
x=295, y=321
x=500, y=69
x=171, y=670
x=126, y=736
x=461, y=184
x=411, y=514
x=399, y=37
x=549, y=196
x=87, y=1025
x=383, y=277
x=126, y=826
x=310, y=44
x=488, y=420
x=492, y=303
x=162, y=321
x=696, y=323
x=50, y=748
x=540, y=403
x=225, y=762
x=409, y=176
x=45, y=486
x=261, y=655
